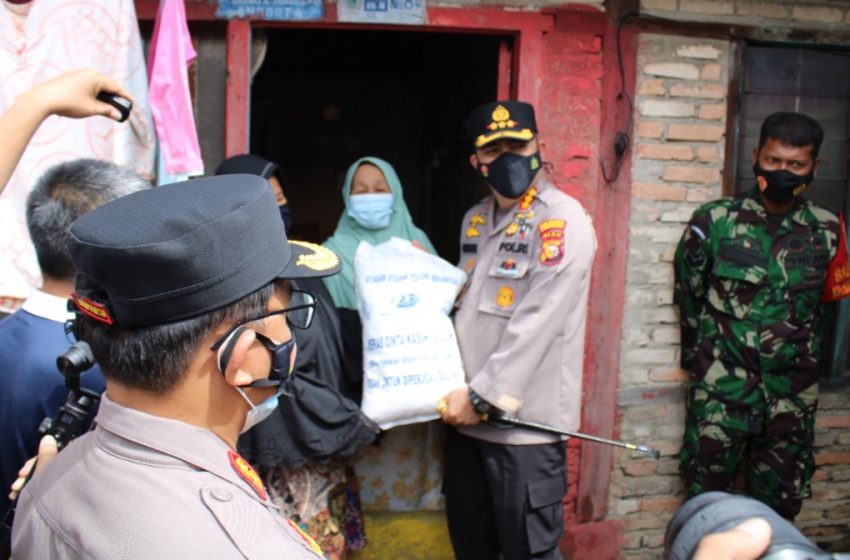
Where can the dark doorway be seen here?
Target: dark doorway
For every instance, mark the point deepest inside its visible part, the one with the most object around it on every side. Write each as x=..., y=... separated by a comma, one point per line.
x=324, y=98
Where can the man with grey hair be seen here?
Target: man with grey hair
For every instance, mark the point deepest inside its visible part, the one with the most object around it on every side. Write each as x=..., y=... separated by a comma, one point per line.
x=32, y=338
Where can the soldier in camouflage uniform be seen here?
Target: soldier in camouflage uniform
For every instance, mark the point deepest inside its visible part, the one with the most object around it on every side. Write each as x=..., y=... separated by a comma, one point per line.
x=750, y=275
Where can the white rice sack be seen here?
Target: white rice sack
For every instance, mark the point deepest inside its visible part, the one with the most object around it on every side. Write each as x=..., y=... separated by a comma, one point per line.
x=410, y=354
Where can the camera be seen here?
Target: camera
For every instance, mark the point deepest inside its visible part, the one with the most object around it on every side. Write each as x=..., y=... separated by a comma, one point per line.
x=72, y=417
x=715, y=512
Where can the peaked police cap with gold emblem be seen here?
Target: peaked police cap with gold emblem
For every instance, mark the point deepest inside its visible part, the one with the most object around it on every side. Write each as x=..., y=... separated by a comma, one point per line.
x=502, y=119
x=183, y=250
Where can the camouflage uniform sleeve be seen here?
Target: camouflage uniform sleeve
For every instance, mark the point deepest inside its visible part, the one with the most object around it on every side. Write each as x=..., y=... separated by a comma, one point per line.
x=692, y=264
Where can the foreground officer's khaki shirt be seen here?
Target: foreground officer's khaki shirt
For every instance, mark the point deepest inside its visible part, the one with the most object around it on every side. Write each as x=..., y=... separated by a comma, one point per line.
x=145, y=487
x=521, y=321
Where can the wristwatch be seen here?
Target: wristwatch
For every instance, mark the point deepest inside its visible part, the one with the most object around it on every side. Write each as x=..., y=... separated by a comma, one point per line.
x=479, y=405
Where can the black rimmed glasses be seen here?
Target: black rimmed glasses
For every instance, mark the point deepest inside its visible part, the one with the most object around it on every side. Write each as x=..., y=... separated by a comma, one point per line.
x=299, y=314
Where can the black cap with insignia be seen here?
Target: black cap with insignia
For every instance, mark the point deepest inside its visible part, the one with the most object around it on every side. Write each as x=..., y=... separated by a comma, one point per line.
x=502, y=119
x=183, y=250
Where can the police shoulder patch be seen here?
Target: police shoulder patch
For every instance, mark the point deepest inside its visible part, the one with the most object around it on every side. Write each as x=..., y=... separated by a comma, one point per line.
x=245, y=471
x=552, y=241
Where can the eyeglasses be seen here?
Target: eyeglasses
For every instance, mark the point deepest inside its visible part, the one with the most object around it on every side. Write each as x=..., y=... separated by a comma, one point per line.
x=299, y=314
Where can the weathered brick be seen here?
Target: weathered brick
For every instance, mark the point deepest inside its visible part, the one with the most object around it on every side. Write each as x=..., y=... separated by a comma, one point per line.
x=833, y=421
x=649, y=213
x=705, y=52
x=631, y=541
x=697, y=132
x=707, y=154
x=643, y=521
x=711, y=72
x=664, y=297
x=655, y=108
x=824, y=438
x=666, y=503
x=830, y=491
x=706, y=6
x=678, y=216
x=681, y=152
x=702, y=194
x=825, y=531
x=653, y=539
x=840, y=473
x=691, y=174
x=651, y=355
x=838, y=512
x=680, y=70
x=658, y=235
x=668, y=375
x=650, y=129
x=832, y=458
x=666, y=335
x=809, y=515
x=663, y=315
x=627, y=506
x=669, y=5
x=820, y=474
x=822, y=14
x=712, y=112
x=703, y=91
x=762, y=9
x=652, y=87
x=640, y=468
x=658, y=191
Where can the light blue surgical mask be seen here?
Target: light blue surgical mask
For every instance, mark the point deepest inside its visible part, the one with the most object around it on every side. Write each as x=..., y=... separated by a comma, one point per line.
x=259, y=412
x=372, y=210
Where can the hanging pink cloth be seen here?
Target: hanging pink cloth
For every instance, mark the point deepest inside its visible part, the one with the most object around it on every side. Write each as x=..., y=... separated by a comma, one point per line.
x=170, y=54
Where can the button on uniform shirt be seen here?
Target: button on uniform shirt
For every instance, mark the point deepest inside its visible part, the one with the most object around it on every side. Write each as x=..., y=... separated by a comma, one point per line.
x=142, y=486
x=521, y=320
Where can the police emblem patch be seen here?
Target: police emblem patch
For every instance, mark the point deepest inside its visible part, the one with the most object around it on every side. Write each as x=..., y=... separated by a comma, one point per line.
x=247, y=473
x=551, y=241
x=505, y=296
x=508, y=269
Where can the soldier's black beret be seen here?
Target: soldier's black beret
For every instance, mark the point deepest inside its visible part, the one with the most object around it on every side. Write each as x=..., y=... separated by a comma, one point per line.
x=183, y=250
x=502, y=119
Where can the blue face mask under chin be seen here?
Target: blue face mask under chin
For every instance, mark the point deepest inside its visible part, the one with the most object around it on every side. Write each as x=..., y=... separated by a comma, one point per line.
x=371, y=211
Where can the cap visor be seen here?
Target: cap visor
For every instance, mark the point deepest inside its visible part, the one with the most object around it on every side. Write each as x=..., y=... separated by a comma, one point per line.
x=524, y=134
x=309, y=260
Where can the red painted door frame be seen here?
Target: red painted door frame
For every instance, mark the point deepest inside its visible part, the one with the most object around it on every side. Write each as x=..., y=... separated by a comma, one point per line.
x=521, y=73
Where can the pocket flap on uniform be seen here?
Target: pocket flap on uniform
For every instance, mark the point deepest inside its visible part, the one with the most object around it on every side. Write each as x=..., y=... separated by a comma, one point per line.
x=741, y=260
x=542, y=493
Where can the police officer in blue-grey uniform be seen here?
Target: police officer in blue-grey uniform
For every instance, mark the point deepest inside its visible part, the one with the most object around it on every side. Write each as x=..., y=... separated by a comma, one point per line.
x=528, y=249
x=182, y=294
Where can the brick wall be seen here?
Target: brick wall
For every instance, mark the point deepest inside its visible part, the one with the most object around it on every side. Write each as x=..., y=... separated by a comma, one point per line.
x=678, y=153
x=817, y=14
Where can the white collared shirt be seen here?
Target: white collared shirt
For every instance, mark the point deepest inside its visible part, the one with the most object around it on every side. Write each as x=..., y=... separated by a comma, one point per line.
x=47, y=306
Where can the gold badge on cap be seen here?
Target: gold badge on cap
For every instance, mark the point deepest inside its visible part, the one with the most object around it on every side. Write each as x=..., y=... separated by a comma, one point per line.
x=321, y=259
x=501, y=119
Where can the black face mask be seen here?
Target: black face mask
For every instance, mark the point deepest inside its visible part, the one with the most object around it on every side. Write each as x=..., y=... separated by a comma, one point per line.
x=782, y=185
x=286, y=216
x=511, y=174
